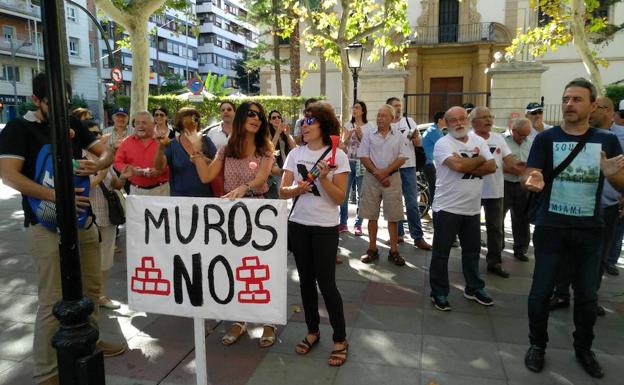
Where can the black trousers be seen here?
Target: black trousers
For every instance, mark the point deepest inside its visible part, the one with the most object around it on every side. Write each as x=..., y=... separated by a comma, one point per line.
x=516, y=200
x=315, y=249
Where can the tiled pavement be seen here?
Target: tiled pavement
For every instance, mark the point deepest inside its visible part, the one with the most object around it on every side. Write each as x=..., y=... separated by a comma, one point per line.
x=395, y=335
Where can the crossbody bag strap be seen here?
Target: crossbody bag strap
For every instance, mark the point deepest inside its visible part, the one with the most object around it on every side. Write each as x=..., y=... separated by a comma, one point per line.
x=297, y=197
x=566, y=162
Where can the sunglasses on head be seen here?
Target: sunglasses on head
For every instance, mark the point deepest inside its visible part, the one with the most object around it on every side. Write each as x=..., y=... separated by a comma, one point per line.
x=310, y=120
x=253, y=114
x=538, y=112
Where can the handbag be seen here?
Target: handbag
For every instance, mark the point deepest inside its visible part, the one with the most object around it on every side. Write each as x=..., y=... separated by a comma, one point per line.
x=419, y=152
x=116, y=211
x=535, y=198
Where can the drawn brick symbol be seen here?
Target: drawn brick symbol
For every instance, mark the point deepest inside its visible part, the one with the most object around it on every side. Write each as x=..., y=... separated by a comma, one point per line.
x=253, y=274
x=147, y=279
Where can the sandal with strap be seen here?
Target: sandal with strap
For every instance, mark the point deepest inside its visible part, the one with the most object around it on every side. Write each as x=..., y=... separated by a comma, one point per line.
x=266, y=341
x=231, y=337
x=370, y=256
x=305, y=345
x=339, y=356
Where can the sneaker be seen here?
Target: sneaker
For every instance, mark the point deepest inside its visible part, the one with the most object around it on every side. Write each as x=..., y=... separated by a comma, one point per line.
x=534, y=358
x=357, y=231
x=479, y=296
x=110, y=349
x=396, y=258
x=108, y=303
x=343, y=228
x=440, y=302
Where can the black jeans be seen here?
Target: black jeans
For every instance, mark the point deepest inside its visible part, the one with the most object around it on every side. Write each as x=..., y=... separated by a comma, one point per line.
x=609, y=216
x=580, y=250
x=516, y=201
x=315, y=249
x=445, y=227
x=494, y=218
x=430, y=174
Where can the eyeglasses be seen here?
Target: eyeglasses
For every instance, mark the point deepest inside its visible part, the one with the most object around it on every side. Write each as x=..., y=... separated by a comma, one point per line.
x=253, y=114
x=538, y=112
x=195, y=118
x=276, y=117
x=462, y=119
x=310, y=121
x=160, y=114
x=227, y=109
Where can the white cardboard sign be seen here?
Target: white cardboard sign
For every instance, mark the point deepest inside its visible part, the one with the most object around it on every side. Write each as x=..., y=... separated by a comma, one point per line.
x=207, y=257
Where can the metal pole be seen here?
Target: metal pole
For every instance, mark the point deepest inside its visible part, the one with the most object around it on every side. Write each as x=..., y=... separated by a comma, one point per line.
x=355, y=84
x=76, y=338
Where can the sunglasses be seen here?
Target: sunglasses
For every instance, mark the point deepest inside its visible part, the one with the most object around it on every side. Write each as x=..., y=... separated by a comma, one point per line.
x=253, y=114
x=96, y=133
x=309, y=121
x=195, y=118
x=538, y=112
x=276, y=117
x=160, y=114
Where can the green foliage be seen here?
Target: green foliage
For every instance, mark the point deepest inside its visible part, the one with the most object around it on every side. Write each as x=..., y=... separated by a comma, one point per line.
x=24, y=107
x=173, y=82
x=79, y=101
x=289, y=106
x=214, y=84
x=615, y=92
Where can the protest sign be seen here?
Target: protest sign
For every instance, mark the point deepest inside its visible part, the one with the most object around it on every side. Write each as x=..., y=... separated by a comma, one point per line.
x=207, y=257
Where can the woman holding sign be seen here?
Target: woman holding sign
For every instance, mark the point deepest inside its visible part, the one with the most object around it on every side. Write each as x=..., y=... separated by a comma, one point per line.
x=246, y=160
x=316, y=178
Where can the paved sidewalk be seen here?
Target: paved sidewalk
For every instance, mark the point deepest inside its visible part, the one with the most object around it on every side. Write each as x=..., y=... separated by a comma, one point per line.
x=395, y=335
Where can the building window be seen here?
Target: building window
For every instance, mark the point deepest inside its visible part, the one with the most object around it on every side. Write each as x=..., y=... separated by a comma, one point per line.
x=10, y=73
x=9, y=32
x=74, y=46
x=71, y=14
x=91, y=53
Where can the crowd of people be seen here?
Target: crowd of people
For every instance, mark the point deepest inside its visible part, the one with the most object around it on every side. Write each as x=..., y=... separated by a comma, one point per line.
x=531, y=171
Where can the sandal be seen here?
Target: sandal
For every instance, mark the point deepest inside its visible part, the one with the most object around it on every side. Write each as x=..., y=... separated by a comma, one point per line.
x=305, y=345
x=231, y=337
x=370, y=256
x=396, y=258
x=339, y=356
x=266, y=341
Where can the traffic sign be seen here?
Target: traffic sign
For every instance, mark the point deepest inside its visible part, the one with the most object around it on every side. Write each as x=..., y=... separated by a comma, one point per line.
x=195, y=86
x=116, y=75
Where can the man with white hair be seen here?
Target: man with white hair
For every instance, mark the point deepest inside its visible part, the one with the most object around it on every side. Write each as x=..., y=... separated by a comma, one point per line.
x=136, y=155
x=462, y=159
x=382, y=152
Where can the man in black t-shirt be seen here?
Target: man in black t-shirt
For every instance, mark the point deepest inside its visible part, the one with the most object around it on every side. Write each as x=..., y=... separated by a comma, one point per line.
x=20, y=143
x=568, y=223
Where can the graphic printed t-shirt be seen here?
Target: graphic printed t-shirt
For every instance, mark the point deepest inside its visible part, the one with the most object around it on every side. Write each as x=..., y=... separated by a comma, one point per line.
x=456, y=192
x=314, y=208
x=19, y=141
x=493, y=184
x=405, y=129
x=574, y=199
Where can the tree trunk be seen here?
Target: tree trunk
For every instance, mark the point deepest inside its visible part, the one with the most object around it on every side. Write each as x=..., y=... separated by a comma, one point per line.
x=323, y=73
x=139, y=39
x=345, y=75
x=277, y=68
x=295, y=63
x=582, y=46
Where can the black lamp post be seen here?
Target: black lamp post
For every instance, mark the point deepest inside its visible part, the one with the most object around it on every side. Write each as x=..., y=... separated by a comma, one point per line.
x=354, y=55
x=78, y=361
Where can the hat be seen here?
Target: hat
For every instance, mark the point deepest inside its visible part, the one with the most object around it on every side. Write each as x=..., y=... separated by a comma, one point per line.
x=621, y=106
x=121, y=110
x=534, y=107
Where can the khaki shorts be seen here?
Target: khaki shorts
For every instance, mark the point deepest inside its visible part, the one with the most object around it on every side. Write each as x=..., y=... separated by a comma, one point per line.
x=373, y=194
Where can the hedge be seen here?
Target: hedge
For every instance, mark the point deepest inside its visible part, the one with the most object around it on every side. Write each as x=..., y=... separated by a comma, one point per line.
x=615, y=92
x=289, y=106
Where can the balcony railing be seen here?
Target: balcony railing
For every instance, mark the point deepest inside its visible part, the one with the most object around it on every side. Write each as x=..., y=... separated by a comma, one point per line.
x=21, y=6
x=5, y=45
x=454, y=33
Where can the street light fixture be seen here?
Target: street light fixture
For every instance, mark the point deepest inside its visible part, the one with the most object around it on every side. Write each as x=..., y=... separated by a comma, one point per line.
x=355, y=51
x=14, y=51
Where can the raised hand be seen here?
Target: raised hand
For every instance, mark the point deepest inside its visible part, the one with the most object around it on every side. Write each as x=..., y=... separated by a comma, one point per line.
x=611, y=166
x=535, y=181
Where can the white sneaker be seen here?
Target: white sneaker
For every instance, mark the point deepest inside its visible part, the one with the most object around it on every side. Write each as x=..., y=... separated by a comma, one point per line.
x=108, y=303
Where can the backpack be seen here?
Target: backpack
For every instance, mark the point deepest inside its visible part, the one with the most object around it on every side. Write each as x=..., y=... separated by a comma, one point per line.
x=45, y=211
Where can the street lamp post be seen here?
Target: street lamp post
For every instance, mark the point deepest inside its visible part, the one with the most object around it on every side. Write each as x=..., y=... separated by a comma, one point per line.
x=14, y=65
x=354, y=55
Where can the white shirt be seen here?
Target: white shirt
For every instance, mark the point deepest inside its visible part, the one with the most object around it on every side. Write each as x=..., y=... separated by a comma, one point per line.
x=494, y=184
x=381, y=150
x=314, y=208
x=406, y=129
x=218, y=136
x=519, y=151
x=534, y=132
x=456, y=192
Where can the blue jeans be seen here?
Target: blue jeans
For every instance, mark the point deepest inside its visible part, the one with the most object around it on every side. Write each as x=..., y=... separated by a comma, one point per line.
x=445, y=227
x=616, y=243
x=410, y=194
x=344, y=207
x=579, y=249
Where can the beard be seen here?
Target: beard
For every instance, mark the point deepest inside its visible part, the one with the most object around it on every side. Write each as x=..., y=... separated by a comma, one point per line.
x=458, y=133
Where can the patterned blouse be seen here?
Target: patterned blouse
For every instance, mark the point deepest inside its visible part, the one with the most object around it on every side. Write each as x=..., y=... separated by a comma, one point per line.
x=240, y=171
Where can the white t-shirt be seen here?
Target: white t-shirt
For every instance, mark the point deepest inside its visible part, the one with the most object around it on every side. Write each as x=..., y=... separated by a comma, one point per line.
x=494, y=184
x=534, y=132
x=456, y=192
x=218, y=136
x=402, y=127
x=314, y=208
